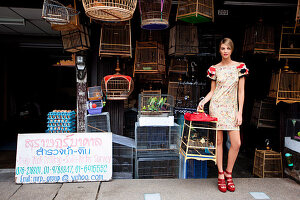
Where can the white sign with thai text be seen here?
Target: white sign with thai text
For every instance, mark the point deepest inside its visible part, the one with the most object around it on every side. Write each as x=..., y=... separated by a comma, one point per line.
x=63, y=157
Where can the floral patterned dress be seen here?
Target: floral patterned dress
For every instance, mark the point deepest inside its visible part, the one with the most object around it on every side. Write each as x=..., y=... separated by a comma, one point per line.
x=224, y=102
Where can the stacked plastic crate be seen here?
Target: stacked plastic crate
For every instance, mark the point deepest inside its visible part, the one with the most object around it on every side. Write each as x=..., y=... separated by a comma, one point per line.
x=61, y=121
x=157, y=138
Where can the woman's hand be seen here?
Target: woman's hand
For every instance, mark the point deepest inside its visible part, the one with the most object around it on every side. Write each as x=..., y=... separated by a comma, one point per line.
x=239, y=119
x=201, y=105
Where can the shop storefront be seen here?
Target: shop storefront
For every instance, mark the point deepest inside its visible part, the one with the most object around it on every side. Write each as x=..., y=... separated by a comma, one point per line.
x=135, y=68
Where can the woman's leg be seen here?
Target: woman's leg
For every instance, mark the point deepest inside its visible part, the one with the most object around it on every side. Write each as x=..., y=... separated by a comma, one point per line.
x=220, y=152
x=234, y=149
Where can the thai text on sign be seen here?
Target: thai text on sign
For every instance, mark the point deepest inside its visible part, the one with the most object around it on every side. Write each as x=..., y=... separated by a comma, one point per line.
x=63, y=157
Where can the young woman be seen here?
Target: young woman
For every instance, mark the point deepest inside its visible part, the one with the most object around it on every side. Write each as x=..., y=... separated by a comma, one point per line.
x=226, y=98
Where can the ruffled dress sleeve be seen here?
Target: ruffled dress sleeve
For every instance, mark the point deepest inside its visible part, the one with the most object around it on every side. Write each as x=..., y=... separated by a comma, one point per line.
x=242, y=70
x=211, y=73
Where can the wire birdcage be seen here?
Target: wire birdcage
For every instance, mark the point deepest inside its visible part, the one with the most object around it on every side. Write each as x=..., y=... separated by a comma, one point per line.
x=109, y=10
x=259, y=38
x=149, y=58
x=56, y=13
x=117, y=86
x=195, y=11
x=115, y=40
x=76, y=40
x=285, y=86
x=155, y=14
x=178, y=65
x=183, y=40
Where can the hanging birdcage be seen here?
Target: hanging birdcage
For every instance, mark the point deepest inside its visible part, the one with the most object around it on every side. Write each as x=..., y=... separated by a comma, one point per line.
x=183, y=40
x=285, y=86
x=117, y=86
x=109, y=10
x=259, y=38
x=71, y=25
x=195, y=11
x=155, y=14
x=289, y=43
x=149, y=58
x=56, y=13
x=115, y=40
x=297, y=16
x=178, y=65
x=76, y=40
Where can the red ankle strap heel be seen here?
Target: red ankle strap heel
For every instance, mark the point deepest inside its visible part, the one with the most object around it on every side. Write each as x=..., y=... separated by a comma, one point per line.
x=230, y=184
x=221, y=183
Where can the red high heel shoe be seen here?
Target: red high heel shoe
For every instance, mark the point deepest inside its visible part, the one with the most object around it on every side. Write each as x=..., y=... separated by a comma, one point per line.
x=230, y=184
x=221, y=183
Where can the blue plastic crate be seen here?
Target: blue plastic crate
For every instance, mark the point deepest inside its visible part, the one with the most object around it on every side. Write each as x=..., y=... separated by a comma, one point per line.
x=196, y=169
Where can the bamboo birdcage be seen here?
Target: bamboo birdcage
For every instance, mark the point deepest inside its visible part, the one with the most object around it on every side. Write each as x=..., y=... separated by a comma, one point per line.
x=115, y=40
x=178, y=65
x=172, y=88
x=259, y=38
x=183, y=40
x=155, y=14
x=117, y=86
x=56, y=13
x=297, y=16
x=285, y=86
x=149, y=58
x=76, y=40
x=289, y=43
x=109, y=10
x=195, y=11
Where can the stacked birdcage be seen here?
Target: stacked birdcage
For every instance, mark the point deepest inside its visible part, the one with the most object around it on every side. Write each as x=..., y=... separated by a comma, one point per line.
x=149, y=58
x=209, y=44
x=157, y=151
x=259, y=38
x=155, y=14
x=285, y=86
x=115, y=40
x=109, y=10
x=156, y=137
x=183, y=40
x=98, y=123
x=61, y=121
x=56, y=13
x=76, y=40
x=195, y=11
x=123, y=156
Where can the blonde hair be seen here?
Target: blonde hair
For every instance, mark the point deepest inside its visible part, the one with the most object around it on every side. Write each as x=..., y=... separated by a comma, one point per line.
x=228, y=42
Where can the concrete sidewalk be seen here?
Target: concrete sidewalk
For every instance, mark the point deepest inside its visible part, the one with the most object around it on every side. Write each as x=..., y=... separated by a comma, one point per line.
x=166, y=189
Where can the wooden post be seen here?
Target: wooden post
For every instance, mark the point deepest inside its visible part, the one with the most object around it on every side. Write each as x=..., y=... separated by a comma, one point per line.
x=81, y=82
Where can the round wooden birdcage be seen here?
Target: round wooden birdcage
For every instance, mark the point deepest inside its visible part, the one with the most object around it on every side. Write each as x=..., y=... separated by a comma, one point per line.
x=195, y=11
x=259, y=38
x=155, y=14
x=115, y=39
x=109, y=10
x=56, y=13
x=117, y=86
